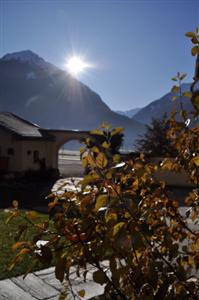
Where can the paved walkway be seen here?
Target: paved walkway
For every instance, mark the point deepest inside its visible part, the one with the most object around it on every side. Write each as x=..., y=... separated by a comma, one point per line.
x=42, y=285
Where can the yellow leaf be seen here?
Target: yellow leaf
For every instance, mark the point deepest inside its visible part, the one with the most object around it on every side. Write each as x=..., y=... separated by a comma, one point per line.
x=90, y=160
x=84, y=162
x=187, y=94
x=166, y=164
x=110, y=217
x=195, y=161
x=175, y=89
x=116, y=158
x=105, y=145
x=101, y=201
x=101, y=160
x=195, y=50
x=127, y=215
x=82, y=293
x=97, y=132
x=117, y=130
x=135, y=184
x=117, y=228
x=190, y=34
x=95, y=149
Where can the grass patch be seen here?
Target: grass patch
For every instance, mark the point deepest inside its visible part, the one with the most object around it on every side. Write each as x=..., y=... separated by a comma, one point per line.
x=8, y=233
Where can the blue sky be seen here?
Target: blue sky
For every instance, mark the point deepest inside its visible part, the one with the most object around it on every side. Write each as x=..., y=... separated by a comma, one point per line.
x=136, y=46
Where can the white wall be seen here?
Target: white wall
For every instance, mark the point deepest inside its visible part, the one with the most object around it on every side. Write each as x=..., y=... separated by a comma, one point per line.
x=46, y=150
x=20, y=160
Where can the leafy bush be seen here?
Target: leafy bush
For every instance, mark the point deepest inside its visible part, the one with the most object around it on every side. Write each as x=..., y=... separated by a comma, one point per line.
x=141, y=245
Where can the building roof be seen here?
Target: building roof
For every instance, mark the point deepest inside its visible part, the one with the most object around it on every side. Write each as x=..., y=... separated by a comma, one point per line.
x=22, y=128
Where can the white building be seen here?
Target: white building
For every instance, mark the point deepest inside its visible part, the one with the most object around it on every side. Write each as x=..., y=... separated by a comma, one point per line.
x=25, y=146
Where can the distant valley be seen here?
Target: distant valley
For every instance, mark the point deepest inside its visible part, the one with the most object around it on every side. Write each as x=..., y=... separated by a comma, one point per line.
x=128, y=113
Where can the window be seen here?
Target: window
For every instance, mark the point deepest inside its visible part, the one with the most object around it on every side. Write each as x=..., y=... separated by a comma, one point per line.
x=36, y=156
x=10, y=151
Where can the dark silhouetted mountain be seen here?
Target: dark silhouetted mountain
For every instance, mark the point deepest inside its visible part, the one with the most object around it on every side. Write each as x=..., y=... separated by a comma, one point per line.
x=128, y=113
x=50, y=97
x=165, y=104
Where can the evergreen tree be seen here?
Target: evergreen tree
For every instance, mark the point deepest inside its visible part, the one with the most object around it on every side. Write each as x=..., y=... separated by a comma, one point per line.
x=155, y=141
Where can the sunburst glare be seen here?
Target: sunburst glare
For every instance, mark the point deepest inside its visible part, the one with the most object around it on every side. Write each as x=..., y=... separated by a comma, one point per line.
x=76, y=65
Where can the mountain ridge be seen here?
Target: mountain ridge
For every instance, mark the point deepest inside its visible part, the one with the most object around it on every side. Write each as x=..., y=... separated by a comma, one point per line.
x=165, y=104
x=52, y=98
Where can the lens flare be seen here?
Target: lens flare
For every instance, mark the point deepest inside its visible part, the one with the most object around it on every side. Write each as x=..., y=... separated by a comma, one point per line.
x=76, y=65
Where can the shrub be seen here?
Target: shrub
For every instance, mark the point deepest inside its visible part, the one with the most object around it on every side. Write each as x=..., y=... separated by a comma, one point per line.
x=150, y=248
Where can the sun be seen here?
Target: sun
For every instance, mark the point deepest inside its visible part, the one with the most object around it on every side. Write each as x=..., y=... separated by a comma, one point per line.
x=76, y=65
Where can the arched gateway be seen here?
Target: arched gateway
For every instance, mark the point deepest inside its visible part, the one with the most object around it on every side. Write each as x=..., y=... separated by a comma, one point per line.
x=64, y=136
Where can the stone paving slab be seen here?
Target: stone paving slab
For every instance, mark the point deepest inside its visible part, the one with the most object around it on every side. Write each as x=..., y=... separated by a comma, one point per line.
x=10, y=291
x=42, y=285
x=52, y=281
x=35, y=286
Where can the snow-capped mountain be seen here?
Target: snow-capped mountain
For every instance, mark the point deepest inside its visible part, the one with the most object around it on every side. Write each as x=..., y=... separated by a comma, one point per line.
x=50, y=97
x=27, y=56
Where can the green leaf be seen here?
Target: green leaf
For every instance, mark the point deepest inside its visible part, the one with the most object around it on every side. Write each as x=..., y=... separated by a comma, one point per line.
x=175, y=89
x=99, y=277
x=118, y=227
x=190, y=34
x=101, y=201
x=195, y=50
x=187, y=94
x=174, y=79
x=81, y=293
